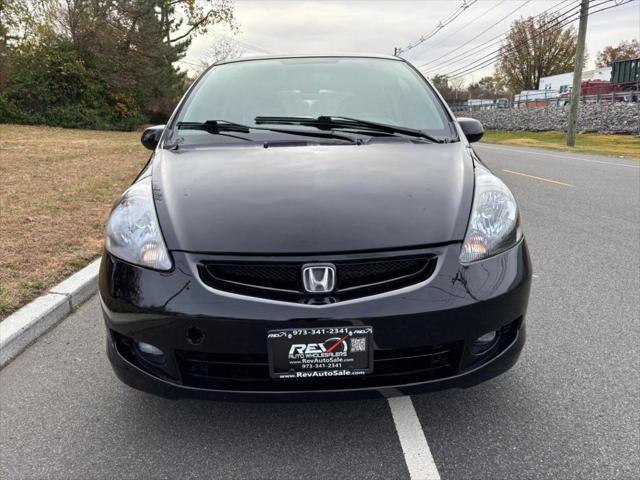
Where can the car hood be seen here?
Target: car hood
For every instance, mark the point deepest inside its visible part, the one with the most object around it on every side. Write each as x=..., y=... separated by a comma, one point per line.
x=312, y=199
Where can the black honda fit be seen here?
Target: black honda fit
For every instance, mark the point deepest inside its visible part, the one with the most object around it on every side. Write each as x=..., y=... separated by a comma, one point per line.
x=313, y=227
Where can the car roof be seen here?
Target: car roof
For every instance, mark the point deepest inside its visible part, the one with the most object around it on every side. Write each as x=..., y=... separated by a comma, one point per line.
x=314, y=55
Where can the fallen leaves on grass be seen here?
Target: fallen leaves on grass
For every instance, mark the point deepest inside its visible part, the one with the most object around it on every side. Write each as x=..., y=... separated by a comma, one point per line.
x=58, y=186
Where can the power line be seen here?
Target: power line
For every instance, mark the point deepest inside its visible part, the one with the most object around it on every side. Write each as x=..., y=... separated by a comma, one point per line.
x=187, y=62
x=474, y=66
x=553, y=20
x=441, y=24
x=471, y=69
x=243, y=43
x=475, y=19
x=508, y=15
x=239, y=42
x=248, y=45
x=447, y=63
x=488, y=44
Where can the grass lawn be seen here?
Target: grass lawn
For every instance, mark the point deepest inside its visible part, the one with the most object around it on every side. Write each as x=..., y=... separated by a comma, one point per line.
x=626, y=146
x=57, y=188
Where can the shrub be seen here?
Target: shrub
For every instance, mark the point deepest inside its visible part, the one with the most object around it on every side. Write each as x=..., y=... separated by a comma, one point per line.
x=50, y=84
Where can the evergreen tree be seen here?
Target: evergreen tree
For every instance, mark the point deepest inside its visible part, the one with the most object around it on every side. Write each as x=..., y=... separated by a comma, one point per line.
x=122, y=54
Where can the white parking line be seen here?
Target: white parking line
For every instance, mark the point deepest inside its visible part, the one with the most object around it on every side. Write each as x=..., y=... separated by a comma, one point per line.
x=570, y=157
x=417, y=454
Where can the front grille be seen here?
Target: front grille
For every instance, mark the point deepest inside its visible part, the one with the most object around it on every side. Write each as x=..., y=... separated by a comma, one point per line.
x=251, y=372
x=357, y=275
x=283, y=281
x=281, y=277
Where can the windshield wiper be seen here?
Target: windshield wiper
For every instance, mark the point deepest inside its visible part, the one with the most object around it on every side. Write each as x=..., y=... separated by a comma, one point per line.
x=214, y=126
x=326, y=122
x=219, y=126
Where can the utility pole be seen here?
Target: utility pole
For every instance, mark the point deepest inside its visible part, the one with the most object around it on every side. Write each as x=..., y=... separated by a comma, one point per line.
x=577, y=74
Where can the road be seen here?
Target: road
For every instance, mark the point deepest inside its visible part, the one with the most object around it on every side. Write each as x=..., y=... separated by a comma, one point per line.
x=569, y=409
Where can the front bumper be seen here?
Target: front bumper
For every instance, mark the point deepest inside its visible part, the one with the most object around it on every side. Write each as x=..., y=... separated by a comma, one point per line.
x=427, y=330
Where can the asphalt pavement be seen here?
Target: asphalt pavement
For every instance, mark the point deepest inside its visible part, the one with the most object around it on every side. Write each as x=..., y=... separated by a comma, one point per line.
x=568, y=410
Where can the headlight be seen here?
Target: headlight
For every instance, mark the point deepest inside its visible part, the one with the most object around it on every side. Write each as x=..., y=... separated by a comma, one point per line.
x=494, y=225
x=133, y=232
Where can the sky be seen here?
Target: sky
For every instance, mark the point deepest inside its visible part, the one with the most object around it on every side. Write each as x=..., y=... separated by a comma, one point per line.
x=377, y=26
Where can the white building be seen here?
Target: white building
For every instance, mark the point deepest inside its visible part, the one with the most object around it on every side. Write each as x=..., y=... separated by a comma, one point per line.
x=555, y=85
x=562, y=82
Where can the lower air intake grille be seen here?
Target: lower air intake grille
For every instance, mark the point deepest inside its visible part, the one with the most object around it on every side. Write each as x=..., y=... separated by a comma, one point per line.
x=251, y=372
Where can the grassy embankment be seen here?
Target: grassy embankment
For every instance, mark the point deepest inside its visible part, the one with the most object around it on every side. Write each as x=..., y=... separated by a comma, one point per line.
x=58, y=186
x=626, y=146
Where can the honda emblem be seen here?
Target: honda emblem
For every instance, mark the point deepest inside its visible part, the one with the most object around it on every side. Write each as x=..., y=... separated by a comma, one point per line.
x=319, y=277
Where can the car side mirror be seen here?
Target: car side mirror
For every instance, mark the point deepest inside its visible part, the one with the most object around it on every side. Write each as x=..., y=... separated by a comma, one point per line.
x=472, y=128
x=151, y=136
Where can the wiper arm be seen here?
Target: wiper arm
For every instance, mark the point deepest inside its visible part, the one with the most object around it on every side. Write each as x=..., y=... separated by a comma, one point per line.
x=214, y=126
x=219, y=126
x=312, y=134
x=383, y=127
x=331, y=122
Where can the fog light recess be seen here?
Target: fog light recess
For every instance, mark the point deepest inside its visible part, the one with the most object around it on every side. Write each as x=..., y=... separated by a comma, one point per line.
x=195, y=336
x=484, y=342
x=150, y=352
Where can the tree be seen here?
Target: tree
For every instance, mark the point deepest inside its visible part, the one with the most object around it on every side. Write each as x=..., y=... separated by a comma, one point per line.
x=625, y=50
x=487, y=88
x=181, y=20
x=134, y=44
x=49, y=83
x=19, y=20
x=441, y=82
x=535, y=47
x=450, y=88
x=221, y=47
x=122, y=54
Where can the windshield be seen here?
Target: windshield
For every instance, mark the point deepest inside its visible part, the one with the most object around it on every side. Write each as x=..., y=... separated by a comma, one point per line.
x=377, y=90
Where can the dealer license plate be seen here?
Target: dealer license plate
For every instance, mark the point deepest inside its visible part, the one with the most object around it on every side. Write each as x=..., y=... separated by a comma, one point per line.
x=320, y=352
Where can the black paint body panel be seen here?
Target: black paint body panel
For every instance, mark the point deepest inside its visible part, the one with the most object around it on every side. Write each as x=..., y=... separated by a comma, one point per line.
x=313, y=199
x=458, y=304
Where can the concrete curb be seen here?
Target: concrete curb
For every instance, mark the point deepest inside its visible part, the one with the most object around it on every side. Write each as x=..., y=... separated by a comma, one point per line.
x=25, y=326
